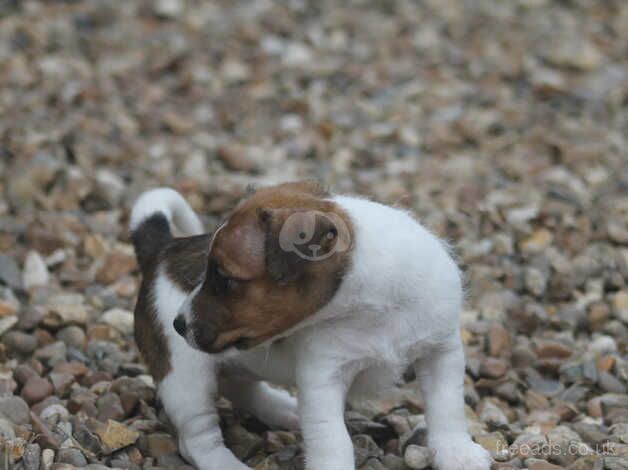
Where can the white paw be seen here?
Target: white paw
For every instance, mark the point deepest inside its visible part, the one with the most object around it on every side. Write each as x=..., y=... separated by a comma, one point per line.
x=218, y=458
x=281, y=413
x=459, y=453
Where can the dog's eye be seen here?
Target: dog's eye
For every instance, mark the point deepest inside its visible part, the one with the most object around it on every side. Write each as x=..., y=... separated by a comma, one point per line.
x=224, y=282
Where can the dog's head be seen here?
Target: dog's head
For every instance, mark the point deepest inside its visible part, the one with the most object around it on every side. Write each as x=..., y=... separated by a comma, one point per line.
x=277, y=259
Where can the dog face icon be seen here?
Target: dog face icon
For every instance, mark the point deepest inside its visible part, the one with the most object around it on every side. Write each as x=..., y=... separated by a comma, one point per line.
x=314, y=235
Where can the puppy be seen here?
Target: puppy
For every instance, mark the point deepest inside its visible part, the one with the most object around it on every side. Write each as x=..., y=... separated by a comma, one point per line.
x=336, y=295
x=189, y=380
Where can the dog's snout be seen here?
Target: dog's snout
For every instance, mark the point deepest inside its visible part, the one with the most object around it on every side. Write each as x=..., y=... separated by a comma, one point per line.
x=180, y=325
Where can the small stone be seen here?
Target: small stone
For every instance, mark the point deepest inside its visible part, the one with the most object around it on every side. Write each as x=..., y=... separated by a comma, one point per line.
x=52, y=353
x=44, y=436
x=500, y=341
x=36, y=389
x=493, y=368
x=116, y=436
x=47, y=459
x=598, y=315
x=606, y=363
x=15, y=409
x=158, y=444
x=417, y=457
x=71, y=456
x=20, y=343
x=109, y=407
x=32, y=457
x=495, y=443
x=242, y=442
x=61, y=382
x=23, y=372
x=550, y=349
x=235, y=158
x=620, y=306
x=492, y=414
x=73, y=336
x=537, y=242
x=118, y=263
x=539, y=465
x=169, y=9
x=10, y=272
x=535, y=281
x=120, y=319
x=602, y=345
x=53, y=413
x=610, y=383
x=364, y=448
x=6, y=323
x=35, y=271
x=65, y=314
x=76, y=369
x=6, y=430
x=8, y=307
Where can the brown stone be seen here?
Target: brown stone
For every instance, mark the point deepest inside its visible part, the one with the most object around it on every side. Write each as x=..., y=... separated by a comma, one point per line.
x=499, y=341
x=36, y=389
x=493, y=368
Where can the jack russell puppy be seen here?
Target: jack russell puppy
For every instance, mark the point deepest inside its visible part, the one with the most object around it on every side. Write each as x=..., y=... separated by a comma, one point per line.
x=334, y=294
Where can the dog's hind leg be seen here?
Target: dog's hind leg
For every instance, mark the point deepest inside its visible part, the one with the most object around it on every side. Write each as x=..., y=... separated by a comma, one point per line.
x=274, y=407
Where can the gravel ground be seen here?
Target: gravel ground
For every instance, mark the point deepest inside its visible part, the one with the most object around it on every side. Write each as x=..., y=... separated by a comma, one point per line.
x=502, y=125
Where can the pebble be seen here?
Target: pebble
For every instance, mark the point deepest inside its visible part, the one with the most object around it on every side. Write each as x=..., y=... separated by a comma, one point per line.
x=36, y=389
x=10, y=273
x=15, y=409
x=71, y=456
x=6, y=323
x=417, y=457
x=116, y=436
x=35, y=273
x=73, y=336
x=32, y=457
x=121, y=320
x=20, y=343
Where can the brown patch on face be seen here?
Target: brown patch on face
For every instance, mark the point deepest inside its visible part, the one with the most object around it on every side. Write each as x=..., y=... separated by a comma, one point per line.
x=258, y=282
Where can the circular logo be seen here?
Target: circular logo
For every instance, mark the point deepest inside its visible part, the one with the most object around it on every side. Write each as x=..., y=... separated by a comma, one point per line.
x=314, y=235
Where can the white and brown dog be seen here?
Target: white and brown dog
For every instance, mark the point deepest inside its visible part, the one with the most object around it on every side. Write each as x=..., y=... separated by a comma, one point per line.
x=335, y=294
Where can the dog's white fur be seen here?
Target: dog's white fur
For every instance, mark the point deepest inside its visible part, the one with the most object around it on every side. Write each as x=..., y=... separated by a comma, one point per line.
x=398, y=304
x=171, y=204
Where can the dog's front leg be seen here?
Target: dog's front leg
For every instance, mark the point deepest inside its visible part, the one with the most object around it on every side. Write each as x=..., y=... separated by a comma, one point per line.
x=188, y=393
x=322, y=392
x=441, y=376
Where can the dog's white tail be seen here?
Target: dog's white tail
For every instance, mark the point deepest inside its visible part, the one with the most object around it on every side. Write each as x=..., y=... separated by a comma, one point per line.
x=172, y=205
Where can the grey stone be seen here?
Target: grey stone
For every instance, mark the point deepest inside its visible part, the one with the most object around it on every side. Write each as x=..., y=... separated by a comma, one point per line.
x=71, y=456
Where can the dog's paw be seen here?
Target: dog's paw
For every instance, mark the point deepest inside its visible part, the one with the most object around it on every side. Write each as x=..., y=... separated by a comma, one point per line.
x=207, y=458
x=460, y=453
x=281, y=413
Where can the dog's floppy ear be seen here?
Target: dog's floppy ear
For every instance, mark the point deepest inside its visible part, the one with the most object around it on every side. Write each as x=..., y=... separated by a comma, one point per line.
x=283, y=263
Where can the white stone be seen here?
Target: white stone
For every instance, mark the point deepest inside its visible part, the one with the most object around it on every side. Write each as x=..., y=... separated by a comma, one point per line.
x=35, y=271
x=120, y=319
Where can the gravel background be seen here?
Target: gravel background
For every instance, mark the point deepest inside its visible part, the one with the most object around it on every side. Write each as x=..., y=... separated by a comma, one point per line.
x=502, y=125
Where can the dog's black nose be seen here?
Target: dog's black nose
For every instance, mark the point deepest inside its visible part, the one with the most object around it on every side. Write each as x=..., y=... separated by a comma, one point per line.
x=179, y=325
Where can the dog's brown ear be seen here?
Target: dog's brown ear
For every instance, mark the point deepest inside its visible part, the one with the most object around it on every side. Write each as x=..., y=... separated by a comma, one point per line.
x=241, y=250
x=282, y=265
